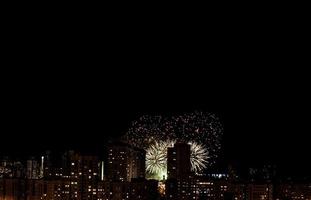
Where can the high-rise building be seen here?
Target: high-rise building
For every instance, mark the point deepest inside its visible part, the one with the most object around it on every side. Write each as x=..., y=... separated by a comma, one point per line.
x=83, y=176
x=79, y=174
x=125, y=162
x=11, y=169
x=47, y=164
x=197, y=188
x=33, y=169
x=180, y=183
x=259, y=191
x=178, y=161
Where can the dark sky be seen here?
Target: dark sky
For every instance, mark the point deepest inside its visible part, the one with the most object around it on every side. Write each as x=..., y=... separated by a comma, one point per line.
x=71, y=113
x=65, y=103
x=263, y=122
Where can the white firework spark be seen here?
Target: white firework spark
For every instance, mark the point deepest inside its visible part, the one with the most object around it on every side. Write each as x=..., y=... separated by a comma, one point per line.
x=156, y=157
x=199, y=157
x=201, y=127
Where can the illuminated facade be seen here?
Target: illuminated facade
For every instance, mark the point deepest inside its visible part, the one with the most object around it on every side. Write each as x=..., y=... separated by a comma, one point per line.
x=84, y=176
x=125, y=162
x=260, y=192
x=34, y=169
x=11, y=169
x=48, y=190
x=81, y=177
x=182, y=184
x=196, y=188
x=179, y=184
x=293, y=191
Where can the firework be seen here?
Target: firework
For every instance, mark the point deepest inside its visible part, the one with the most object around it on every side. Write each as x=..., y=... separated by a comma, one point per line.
x=156, y=157
x=199, y=157
x=203, y=131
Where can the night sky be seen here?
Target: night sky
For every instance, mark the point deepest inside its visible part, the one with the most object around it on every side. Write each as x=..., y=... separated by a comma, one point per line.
x=262, y=123
x=246, y=72
x=56, y=99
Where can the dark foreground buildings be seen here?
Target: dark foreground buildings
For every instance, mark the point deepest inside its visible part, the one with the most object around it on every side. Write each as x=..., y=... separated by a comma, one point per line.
x=80, y=177
x=182, y=184
x=121, y=176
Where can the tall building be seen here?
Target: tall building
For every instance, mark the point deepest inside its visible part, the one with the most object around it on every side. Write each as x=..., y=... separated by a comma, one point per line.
x=138, y=157
x=11, y=169
x=125, y=162
x=33, y=169
x=201, y=188
x=47, y=164
x=83, y=176
x=178, y=161
x=260, y=191
x=180, y=184
x=77, y=174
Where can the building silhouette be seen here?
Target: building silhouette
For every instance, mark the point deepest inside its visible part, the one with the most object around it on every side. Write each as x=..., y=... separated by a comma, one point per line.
x=125, y=162
x=178, y=161
x=121, y=176
x=180, y=182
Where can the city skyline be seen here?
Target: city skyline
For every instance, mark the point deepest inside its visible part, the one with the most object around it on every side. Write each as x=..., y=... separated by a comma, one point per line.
x=72, y=88
x=270, y=134
x=255, y=161
x=122, y=175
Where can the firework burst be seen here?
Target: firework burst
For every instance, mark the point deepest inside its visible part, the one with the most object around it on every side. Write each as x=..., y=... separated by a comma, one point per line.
x=203, y=131
x=199, y=157
x=156, y=157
